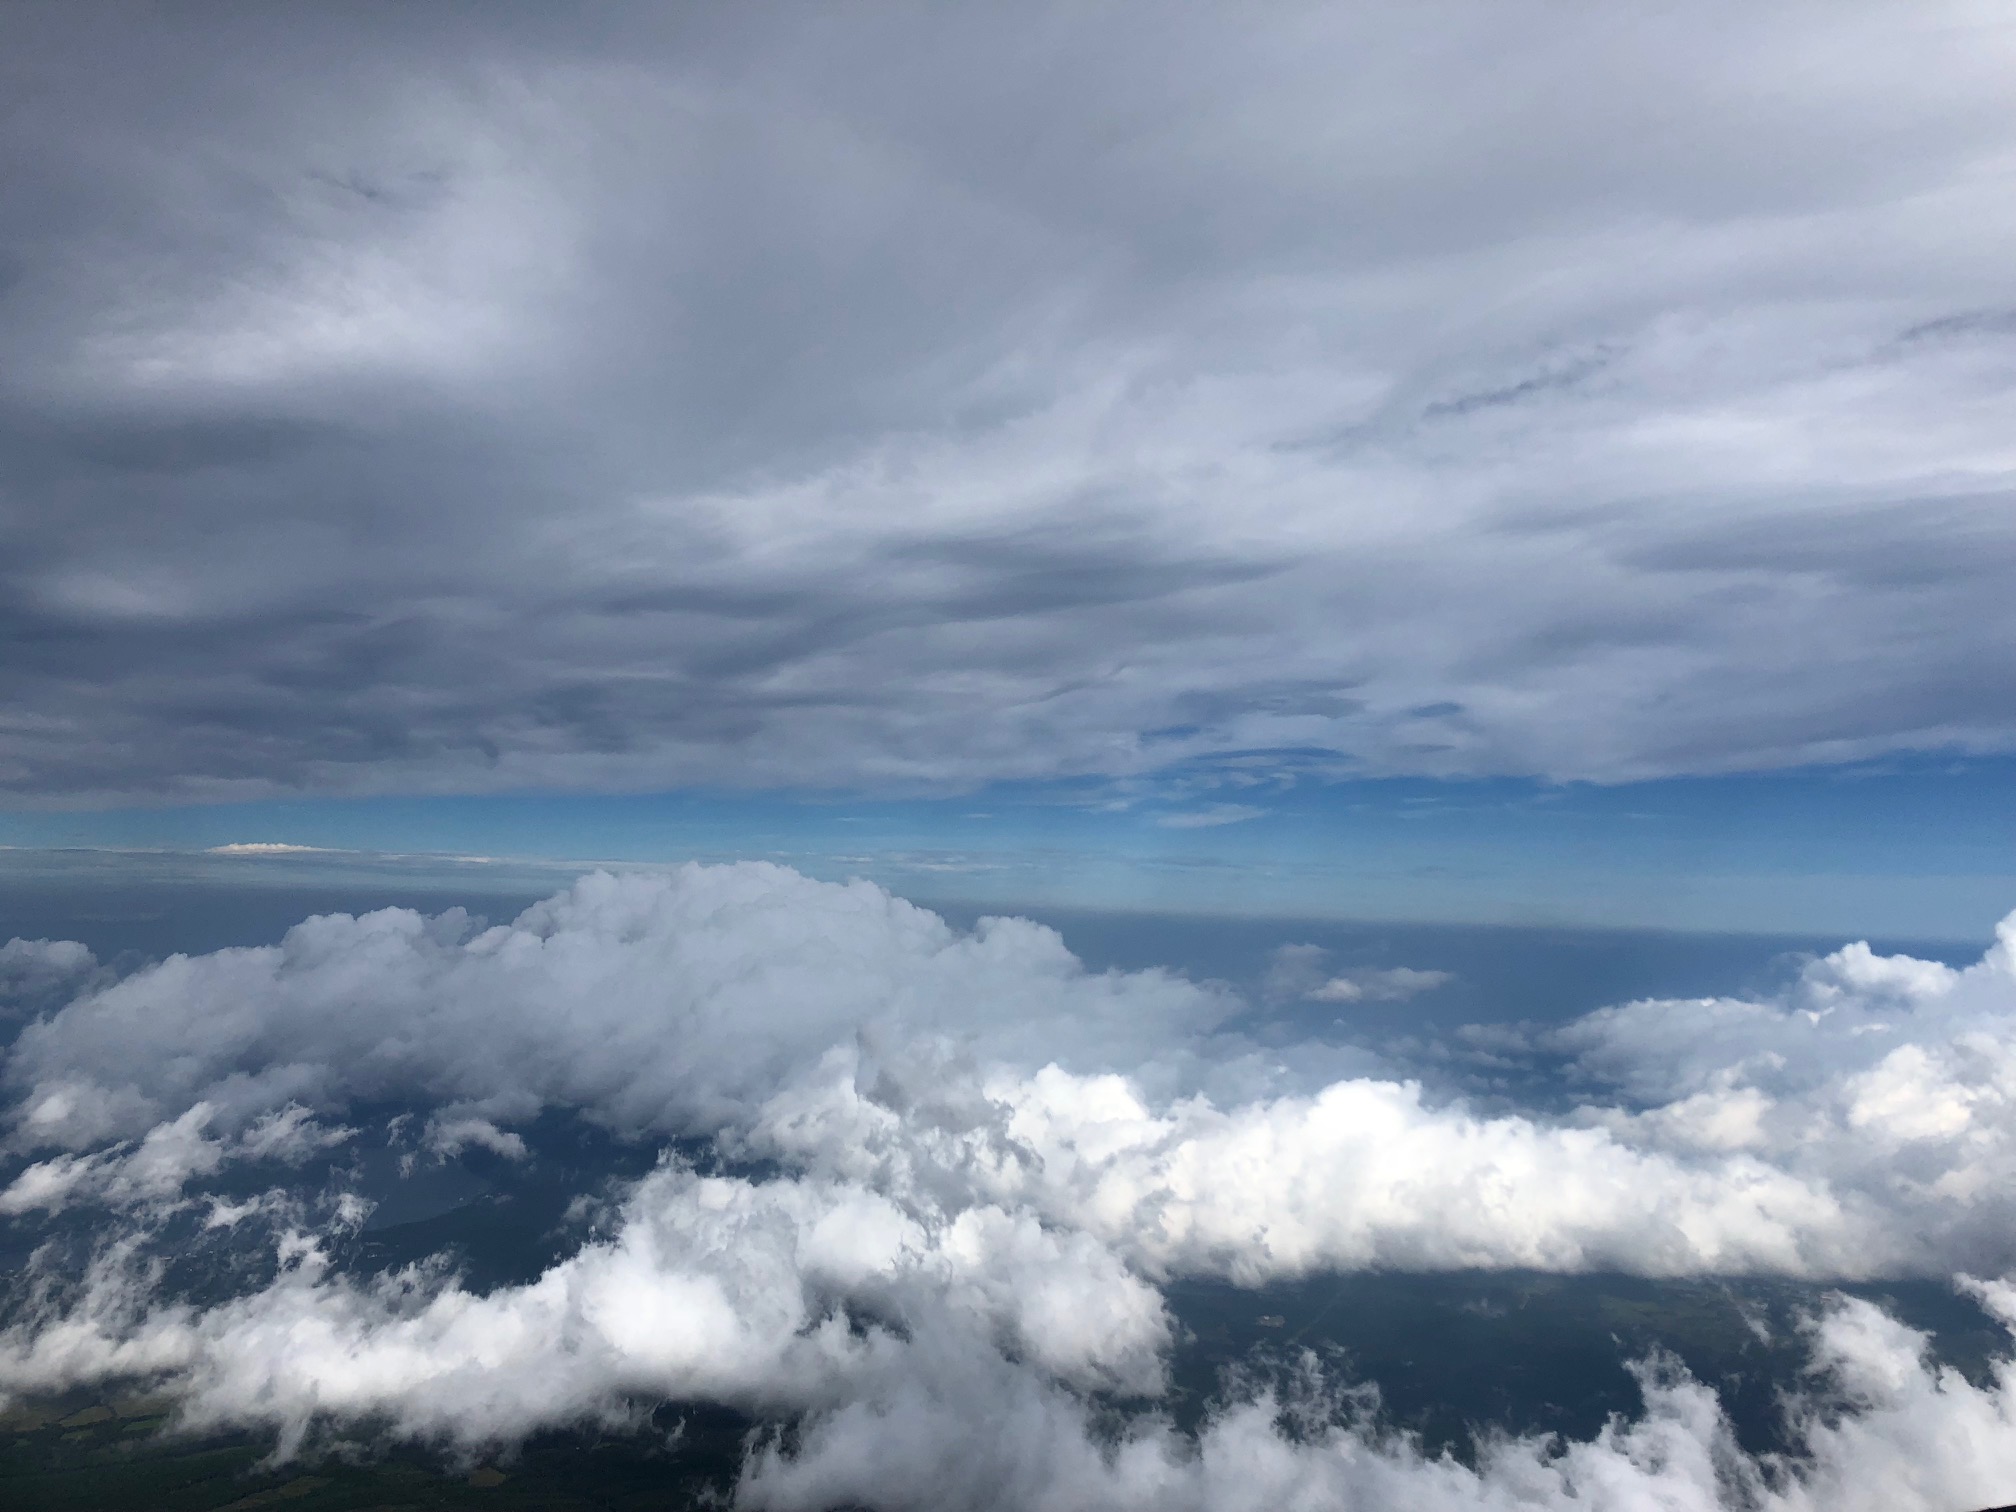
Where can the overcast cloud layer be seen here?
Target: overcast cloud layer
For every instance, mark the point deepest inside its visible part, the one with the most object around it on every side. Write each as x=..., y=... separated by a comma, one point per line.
x=960, y=1168
x=445, y=397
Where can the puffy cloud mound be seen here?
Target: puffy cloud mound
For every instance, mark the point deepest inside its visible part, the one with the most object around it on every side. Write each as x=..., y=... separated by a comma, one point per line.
x=956, y=1168
x=945, y=1365
x=33, y=972
x=1862, y=1126
x=667, y=1003
x=1364, y=1173
x=713, y=1288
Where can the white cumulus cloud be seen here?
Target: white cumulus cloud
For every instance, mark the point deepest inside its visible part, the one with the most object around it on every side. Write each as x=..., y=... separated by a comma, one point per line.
x=961, y=1167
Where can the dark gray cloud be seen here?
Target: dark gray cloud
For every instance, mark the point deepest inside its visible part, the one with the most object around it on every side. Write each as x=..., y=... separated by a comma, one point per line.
x=442, y=397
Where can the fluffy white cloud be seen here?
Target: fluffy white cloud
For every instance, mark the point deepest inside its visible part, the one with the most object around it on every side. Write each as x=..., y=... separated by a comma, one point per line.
x=153, y=1172
x=1901, y=1434
x=1864, y=1126
x=712, y=1288
x=669, y=1003
x=931, y=1365
x=1889, y=1077
x=982, y=1161
x=1363, y=1174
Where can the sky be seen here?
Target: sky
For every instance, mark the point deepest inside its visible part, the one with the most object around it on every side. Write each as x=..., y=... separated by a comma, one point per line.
x=1920, y=852
x=796, y=497
x=866, y=403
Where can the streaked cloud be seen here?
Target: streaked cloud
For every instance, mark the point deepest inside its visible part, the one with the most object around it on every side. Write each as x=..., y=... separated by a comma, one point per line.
x=1300, y=972
x=1210, y=816
x=265, y=848
x=1393, y=984
x=463, y=400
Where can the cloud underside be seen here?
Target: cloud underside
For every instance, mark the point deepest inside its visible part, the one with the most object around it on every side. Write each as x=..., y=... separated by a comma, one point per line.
x=466, y=401
x=960, y=1169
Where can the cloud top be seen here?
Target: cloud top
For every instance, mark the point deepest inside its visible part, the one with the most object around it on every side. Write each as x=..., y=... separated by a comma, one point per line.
x=846, y=1032
x=948, y=1174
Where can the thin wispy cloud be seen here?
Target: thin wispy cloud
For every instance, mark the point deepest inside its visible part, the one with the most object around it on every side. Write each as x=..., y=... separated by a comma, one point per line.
x=266, y=848
x=1393, y=984
x=1302, y=973
x=1211, y=816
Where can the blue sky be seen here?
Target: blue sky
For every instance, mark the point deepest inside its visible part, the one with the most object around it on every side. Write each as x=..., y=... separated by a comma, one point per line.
x=1913, y=849
x=1513, y=434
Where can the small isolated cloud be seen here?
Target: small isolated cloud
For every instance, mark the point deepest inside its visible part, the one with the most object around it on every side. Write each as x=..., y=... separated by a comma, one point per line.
x=1297, y=971
x=449, y=1137
x=1393, y=984
x=1208, y=818
x=265, y=848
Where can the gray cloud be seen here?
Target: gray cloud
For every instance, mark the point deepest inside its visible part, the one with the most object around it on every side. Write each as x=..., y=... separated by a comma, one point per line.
x=468, y=397
x=42, y=973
